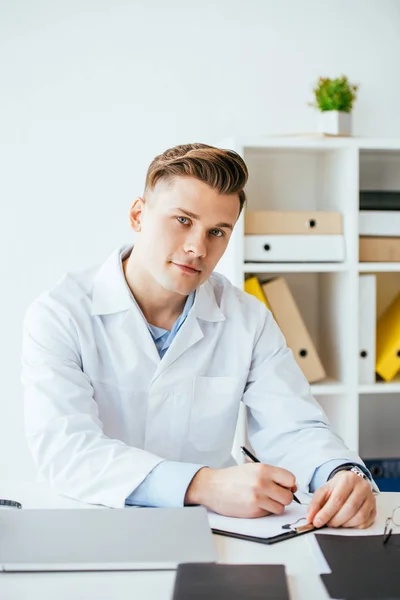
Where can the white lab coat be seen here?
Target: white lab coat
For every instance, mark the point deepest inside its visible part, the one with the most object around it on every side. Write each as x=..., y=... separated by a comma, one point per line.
x=102, y=410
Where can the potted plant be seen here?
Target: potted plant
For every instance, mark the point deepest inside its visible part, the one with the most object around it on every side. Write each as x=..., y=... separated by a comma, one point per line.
x=334, y=98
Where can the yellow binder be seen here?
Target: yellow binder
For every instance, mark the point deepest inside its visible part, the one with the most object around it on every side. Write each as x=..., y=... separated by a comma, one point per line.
x=388, y=341
x=253, y=286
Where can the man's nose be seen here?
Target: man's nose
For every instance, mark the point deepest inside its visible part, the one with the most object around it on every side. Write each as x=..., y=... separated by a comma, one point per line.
x=196, y=244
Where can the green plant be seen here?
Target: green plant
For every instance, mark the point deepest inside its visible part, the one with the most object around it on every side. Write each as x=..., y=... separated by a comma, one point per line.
x=334, y=94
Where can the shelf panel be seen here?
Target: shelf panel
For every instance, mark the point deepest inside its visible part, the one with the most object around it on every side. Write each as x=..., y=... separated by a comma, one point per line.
x=378, y=266
x=381, y=387
x=294, y=267
x=328, y=387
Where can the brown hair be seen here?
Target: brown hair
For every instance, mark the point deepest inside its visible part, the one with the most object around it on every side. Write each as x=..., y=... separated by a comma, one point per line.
x=223, y=170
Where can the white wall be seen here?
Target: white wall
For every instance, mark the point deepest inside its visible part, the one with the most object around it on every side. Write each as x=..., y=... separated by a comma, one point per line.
x=91, y=91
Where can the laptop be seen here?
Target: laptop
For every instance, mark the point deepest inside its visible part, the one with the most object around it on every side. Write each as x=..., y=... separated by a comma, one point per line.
x=104, y=540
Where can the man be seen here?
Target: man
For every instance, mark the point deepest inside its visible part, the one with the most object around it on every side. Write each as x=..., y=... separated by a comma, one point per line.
x=134, y=371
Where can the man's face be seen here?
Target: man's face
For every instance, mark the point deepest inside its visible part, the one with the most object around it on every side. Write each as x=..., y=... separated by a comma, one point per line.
x=184, y=228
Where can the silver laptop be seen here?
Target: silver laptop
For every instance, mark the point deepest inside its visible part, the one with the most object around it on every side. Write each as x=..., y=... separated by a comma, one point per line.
x=104, y=540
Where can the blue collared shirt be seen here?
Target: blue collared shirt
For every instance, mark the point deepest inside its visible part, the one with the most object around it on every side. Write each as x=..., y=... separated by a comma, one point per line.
x=166, y=484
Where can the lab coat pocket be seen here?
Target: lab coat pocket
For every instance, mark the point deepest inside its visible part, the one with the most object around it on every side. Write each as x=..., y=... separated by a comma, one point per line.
x=214, y=412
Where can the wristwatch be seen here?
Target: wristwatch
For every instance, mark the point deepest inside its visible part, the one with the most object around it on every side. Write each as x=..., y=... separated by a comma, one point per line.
x=349, y=467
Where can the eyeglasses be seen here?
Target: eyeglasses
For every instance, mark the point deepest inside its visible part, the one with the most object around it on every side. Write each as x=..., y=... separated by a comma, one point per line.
x=394, y=519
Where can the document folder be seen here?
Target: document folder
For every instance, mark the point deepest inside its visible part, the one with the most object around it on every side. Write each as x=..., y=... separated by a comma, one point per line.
x=253, y=286
x=230, y=582
x=366, y=328
x=362, y=566
x=290, y=321
x=388, y=341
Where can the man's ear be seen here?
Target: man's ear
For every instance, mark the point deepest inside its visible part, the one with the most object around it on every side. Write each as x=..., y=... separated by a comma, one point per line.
x=136, y=212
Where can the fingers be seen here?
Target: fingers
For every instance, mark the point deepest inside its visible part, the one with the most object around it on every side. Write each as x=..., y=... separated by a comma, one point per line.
x=282, y=477
x=356, y=505
x=318, y=500
x=271, y=506
x=337, y=497
x=271, y=494
x=345, y=501
x=365, y=516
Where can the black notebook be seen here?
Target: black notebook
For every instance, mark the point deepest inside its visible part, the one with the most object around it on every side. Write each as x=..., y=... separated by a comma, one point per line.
x=211, y=581
x=362, y=567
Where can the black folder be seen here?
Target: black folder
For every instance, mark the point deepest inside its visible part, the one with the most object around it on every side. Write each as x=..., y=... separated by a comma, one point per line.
x=363, y=568
x=211, y=581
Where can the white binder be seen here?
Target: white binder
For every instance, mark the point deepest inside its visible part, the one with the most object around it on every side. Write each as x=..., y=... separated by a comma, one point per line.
x=379, y=223
x=294, y=248
x=366, y=328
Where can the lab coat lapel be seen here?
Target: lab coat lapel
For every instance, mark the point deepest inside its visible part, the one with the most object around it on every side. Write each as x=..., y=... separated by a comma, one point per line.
x=111, y=295
x=135, y=328
x=205, y=308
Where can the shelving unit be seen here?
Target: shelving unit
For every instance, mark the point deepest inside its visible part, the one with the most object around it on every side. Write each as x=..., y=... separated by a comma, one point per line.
x=299, y=173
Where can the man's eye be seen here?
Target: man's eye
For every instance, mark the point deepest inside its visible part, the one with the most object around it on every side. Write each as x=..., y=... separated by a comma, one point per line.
x=217, y=232
x=183, y=220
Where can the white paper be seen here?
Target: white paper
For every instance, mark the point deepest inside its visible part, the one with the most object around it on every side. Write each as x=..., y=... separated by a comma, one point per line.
x=263, y=526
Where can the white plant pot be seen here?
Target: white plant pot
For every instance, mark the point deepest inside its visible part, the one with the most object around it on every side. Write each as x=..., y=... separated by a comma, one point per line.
x=334, y=122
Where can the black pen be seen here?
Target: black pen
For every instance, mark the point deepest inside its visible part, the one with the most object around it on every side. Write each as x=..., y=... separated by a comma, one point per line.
x=255, y=459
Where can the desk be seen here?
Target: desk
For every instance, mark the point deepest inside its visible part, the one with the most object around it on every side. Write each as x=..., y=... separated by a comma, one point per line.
x=304, y=582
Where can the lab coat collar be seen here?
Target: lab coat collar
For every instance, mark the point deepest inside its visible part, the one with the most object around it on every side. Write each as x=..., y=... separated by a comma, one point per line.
x=205, y=305
x=111, y=293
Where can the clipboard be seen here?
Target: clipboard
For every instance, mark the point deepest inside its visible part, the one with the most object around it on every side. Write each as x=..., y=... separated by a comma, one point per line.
x=281, y=537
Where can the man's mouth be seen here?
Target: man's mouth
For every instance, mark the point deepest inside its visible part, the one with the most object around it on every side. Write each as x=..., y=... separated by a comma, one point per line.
x=187, y=268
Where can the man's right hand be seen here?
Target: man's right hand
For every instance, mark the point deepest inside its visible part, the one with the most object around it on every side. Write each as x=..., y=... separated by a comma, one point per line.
x=248, y=491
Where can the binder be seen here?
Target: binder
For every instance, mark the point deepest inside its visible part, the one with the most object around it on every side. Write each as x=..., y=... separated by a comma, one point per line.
x=253, y=286
x=230, y=582
x=366, y=328
x=379, y=223
x=290, y=321
x=261, y=222
x=379, y=249
x=388, y=341
x=294, y=248
x=379, y=200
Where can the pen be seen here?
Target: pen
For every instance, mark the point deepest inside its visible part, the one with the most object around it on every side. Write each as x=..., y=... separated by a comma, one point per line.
x=255, y=459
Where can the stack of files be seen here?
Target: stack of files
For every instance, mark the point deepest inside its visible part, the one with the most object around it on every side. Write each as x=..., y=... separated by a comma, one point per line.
x=379, y=226
x=293, y=236
x=278, y=298
x=366, y=329
x=388, y=341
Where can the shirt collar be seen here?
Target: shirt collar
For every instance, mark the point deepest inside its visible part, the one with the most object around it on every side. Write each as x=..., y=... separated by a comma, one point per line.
x=111, y=293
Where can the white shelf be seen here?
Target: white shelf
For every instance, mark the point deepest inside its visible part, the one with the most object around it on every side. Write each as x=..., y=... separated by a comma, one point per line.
x=294, y=267
x=318, y=142
x=328, y=387
x=381, y=387
x=311, y=172
x=364, y=267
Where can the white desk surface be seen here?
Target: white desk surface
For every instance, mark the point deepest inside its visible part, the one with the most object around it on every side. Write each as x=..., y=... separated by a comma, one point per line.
x=304, y=583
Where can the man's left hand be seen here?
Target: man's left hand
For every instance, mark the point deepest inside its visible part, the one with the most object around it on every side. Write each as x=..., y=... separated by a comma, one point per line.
x=346, y=500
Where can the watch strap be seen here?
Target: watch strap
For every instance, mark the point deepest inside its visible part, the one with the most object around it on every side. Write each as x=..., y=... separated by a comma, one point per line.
x=350, y=467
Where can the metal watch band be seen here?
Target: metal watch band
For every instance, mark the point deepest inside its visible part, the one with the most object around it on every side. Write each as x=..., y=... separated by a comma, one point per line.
x=349, y=467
